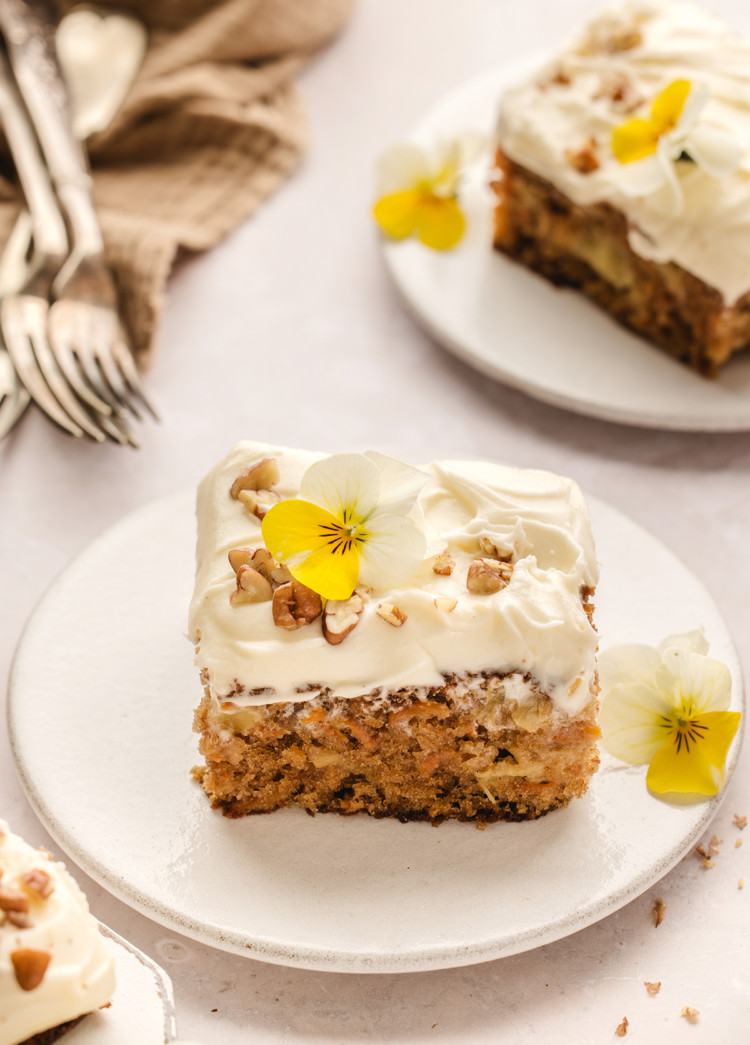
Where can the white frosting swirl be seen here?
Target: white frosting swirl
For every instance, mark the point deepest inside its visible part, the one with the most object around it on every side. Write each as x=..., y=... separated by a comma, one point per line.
x=536, y=625
x=80, y=976
x=544, y=117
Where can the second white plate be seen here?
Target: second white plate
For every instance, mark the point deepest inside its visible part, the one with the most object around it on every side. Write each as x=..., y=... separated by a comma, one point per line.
x=100, y=709
x=551, y=343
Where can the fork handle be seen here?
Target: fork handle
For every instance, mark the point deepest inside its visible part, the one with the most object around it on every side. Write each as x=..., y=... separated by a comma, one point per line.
x=29, y=30
x=48, y=227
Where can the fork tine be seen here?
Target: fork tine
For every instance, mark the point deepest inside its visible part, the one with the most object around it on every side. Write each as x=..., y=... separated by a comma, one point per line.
x=11, y=409
x=58, y=384
x=20, y=351
x=126, y=363
x=69, y=364
x=115, y=380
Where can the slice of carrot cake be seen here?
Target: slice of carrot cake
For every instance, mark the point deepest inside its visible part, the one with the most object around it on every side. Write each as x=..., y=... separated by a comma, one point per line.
x=623, y=170
x=54, y=964
x=415, y=643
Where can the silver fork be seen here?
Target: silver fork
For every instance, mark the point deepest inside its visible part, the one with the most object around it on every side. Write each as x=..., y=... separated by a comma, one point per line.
x=23, y=314
x=87, y=342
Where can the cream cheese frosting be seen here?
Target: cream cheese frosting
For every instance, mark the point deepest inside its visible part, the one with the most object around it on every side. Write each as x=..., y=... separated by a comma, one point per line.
x=43, y=911
x=535, y=626
x=591, y=86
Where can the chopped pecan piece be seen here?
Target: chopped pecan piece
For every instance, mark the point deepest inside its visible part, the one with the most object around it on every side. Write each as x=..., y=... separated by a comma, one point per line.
x=445, y=604
x=294, y=605
x=341, y=617
x=12, y=900
x=486, y=576
x=251, y=587
x=259, y=502
x=392, y=614
x=443, y=564
x=29, y=966
x=38, y=882
x=260, y=476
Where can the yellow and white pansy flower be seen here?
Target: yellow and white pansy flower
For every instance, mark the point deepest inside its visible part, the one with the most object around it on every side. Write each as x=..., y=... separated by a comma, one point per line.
x=417, y=191
x=649, y=148
x=356, y=521
x=668, y=708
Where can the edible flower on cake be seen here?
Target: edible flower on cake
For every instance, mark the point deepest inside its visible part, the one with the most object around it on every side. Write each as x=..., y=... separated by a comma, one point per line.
x=649, y=148
x=668, y=708
x=354, y=522
x=418, y=191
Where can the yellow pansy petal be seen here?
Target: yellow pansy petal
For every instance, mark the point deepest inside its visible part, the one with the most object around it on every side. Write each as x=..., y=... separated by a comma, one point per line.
x=293, y=529
x=635, y=140
x=332, y=575
x=398, y=214
x=440, y=223
x=699, y=767
x=668, y=105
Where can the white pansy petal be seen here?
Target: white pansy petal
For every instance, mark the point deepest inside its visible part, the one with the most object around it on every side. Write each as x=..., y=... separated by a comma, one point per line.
x=629, y=719
x=714, y=149
x=393, y=551
x=691, y=641
x=674, y=199
x=705, y=681
x=641, y=177
x=695, y=103
x=632, y=663
x=342, y=483
x=402, y=167
x=400, y=484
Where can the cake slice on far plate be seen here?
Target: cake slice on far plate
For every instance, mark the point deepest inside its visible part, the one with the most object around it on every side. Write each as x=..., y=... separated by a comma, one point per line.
x=623, y=169
x=412, y=643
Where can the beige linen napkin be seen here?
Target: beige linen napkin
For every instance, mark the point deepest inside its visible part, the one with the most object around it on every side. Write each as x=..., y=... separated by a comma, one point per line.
x=209, y=129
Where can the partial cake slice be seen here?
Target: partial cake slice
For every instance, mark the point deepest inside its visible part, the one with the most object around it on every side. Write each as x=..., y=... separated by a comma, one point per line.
x=467, y=689
x=54, y=964
x=623, y=170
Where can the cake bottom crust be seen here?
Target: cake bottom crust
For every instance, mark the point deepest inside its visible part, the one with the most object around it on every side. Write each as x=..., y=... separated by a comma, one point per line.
x=587, y=248
x=463, y=751
x=47, y=1037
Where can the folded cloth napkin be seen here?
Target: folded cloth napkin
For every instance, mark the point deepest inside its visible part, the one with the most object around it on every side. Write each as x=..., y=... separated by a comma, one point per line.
x=210, y=127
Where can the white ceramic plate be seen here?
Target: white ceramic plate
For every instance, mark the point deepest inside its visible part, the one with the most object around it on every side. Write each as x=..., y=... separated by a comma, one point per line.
x=142, y=1008
x=100, y=707
x=552, y=343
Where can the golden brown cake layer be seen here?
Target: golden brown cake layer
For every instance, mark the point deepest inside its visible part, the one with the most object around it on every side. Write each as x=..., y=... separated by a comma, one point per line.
x=586, y=247
x=464, y=751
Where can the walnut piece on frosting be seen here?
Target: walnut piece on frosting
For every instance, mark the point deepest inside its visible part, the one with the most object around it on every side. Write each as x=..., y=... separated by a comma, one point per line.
x=341, y=617
x=295, y=605
x=622, y=1028
x=487, y=576
x=690, y=1014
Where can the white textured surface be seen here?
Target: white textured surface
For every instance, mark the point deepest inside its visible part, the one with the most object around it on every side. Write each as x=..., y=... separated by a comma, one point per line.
x=299, y=295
